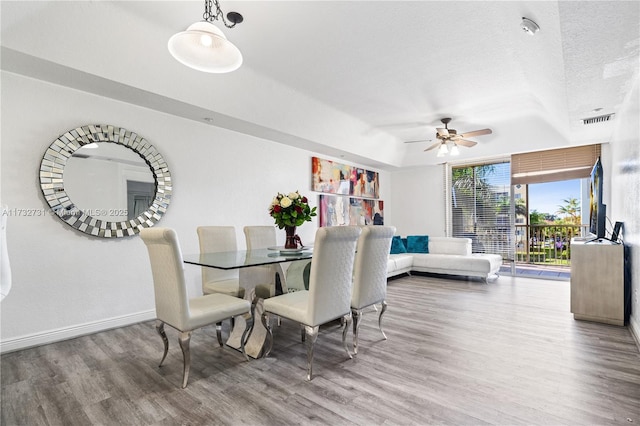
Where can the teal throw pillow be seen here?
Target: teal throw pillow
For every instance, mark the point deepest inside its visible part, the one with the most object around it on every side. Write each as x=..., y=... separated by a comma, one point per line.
x=418, y=243
x=397, y=246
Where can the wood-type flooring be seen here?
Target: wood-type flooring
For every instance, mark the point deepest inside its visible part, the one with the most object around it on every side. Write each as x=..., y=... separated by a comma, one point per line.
x=459, y=352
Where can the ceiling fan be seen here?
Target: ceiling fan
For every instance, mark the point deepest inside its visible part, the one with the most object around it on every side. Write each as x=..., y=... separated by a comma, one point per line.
x=448, y=136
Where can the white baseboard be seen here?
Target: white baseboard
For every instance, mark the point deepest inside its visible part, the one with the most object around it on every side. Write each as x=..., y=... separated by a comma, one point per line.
x=51, y=336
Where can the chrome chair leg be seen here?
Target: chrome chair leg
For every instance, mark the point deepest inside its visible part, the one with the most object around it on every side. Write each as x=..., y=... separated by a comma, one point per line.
x=160, y=330
x=347, y=322
x=219, y=333
x=265, y=322
x=312, y=336
x=357, y=316
x=382, y=311
x=184, y=339
x=303, y=335
x=248, y=319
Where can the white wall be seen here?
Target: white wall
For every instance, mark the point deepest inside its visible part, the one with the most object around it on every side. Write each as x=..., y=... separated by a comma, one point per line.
x=625, y=191
x=416, y=205
x=66, y=283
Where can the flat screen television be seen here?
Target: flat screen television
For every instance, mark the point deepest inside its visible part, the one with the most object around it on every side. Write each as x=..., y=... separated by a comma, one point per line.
x=597, y=210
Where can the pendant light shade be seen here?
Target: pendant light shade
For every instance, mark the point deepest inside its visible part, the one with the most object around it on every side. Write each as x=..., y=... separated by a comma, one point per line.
x=454, y=150
x=204, y=47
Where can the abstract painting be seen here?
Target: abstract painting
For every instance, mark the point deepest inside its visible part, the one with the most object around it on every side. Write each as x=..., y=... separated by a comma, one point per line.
x=330, y=177
x=335, y=178
x=336, y=210
x=364, y=183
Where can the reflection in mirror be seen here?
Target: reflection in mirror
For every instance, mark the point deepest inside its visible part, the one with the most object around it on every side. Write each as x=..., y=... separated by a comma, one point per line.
x=110, y=182
x=139, y=197
x=105, y=181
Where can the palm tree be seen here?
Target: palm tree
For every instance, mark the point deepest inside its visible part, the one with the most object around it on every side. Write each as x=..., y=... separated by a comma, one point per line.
x=471, y=194
x=535, y=217
x=571, y=209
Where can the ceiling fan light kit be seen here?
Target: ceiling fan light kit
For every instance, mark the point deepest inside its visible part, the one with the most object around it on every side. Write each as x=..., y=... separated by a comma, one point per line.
x=204, y=47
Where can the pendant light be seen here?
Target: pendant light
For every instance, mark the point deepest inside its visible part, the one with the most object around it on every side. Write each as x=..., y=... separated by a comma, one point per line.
x=203, y=46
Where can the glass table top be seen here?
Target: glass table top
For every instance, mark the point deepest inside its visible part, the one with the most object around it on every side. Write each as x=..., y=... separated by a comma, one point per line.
x=244, y=258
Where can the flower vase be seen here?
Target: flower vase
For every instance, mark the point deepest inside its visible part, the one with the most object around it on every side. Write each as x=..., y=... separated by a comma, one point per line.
x=290, y=242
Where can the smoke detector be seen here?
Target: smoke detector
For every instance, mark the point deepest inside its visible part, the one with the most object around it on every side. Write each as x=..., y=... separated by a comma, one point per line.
x=528, y=26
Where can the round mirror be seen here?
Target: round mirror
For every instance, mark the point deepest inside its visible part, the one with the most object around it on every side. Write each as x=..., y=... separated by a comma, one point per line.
x=105, y=181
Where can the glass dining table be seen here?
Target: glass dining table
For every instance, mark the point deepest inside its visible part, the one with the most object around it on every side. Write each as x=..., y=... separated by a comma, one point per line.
x=273, y=258
x=247, y=258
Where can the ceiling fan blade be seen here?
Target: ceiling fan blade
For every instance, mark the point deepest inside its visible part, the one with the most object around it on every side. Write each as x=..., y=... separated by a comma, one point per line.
x=418, y=141
x=442, y=132
x=434, y=146
x=476, y=133
x=465, y=142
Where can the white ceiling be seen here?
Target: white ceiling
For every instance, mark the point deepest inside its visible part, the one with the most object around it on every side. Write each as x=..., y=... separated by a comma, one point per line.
x=352, y=79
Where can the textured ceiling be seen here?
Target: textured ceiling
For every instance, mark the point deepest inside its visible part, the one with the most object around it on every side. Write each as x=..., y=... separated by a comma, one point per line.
x=352, y=79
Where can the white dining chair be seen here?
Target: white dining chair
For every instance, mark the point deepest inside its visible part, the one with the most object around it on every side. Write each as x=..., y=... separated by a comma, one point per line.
x=260, y=237
x=174, y=308
x=329, y=294
x=214, y=239
x=370, y=274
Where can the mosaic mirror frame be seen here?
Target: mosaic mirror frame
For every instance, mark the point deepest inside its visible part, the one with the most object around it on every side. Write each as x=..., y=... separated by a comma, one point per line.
x=52, y=180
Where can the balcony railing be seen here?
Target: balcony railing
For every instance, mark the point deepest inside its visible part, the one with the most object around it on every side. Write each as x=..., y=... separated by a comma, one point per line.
x=546, y=244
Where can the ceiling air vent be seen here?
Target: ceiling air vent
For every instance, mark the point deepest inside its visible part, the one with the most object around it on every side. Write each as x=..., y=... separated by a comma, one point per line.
x=598, y=119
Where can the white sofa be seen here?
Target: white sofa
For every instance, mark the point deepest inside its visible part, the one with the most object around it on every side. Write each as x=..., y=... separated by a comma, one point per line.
x=447, y=255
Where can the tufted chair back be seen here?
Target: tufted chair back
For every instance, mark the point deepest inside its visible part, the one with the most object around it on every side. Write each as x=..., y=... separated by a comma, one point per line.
x=329, y=294
x=330, y=279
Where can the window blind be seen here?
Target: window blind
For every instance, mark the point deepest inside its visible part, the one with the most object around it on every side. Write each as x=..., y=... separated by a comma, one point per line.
x=553, y=165
x=481, y=207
